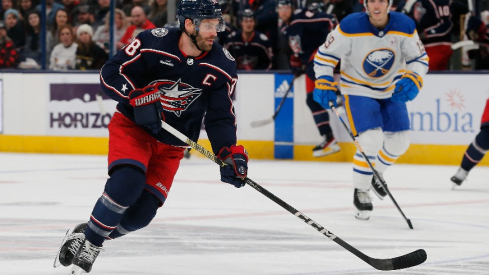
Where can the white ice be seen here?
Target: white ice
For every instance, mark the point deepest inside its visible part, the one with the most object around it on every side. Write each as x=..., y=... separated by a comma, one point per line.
x=210, y=227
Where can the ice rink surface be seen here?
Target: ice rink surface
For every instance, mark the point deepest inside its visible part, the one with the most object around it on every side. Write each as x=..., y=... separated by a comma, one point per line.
x=209, y=227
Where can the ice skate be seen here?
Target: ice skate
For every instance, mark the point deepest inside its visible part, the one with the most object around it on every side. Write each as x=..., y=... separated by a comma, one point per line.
x=69, y=246
x=363, y=203
x=377, y=187
x=326, y=148
x=85, y=258
x=459, y=177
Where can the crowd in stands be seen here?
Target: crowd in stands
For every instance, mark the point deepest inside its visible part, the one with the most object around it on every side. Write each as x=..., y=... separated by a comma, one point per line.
x=78, y=33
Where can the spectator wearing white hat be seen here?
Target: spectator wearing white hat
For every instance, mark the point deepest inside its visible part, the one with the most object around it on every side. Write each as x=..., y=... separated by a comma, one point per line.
x=89, y=56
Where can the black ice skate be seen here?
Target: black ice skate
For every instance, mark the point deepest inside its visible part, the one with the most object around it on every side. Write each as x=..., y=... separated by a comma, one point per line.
x=377, y=187
x=85, y=258
x=363, y=203
x=326, y=148
x=69, y=246
x=459, y=177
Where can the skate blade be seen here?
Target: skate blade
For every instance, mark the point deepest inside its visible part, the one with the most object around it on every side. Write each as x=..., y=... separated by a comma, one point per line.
x=378, y=195
x=332, y=150
x=56, y=260
x=362, y=215
x=76, y=270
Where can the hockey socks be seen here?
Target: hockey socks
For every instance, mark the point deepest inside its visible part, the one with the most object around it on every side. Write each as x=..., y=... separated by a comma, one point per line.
x=477, y=149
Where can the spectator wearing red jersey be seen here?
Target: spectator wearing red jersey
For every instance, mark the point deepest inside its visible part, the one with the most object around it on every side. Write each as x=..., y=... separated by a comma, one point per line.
x=139, y=23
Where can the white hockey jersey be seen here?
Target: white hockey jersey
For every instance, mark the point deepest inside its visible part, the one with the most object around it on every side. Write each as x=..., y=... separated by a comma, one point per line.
x=372, y=60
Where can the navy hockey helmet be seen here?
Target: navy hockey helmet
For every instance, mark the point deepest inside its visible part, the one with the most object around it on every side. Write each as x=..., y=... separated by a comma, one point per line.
x=285, y=3
x=197, y=10
x=246, y=13
x=366, y=9
x=315, y=7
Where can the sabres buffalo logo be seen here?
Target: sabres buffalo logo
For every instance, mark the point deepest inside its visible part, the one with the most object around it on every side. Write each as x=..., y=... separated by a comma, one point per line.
x=378, y=62
x=176, y=96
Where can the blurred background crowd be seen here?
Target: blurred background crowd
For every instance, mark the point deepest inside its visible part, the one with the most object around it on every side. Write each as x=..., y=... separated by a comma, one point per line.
x=261, y=34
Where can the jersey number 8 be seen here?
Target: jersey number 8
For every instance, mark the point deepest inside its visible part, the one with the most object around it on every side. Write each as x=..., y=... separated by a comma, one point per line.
x=132, y=48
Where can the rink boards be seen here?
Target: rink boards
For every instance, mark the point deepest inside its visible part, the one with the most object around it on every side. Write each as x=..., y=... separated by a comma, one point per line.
x=59, y=113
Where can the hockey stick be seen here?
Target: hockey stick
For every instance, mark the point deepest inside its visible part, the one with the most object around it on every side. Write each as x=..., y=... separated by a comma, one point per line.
x=381, y=180
x=260, y=123
x=468, y=44
x=408, y=260
x=100, y=102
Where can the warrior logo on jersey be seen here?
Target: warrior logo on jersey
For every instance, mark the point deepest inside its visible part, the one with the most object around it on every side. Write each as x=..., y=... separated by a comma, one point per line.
x=295, y=44
x=159, y=32
x=378, y=62
x=176, y=96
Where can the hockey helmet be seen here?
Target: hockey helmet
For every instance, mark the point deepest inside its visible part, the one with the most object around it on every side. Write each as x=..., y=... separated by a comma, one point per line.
x=246, y=13
x=315, y=7
x=388, y=8
x=285, y=3
x=197, y=10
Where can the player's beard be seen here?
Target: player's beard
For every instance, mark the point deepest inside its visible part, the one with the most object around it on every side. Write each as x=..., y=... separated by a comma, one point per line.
x=202, y=43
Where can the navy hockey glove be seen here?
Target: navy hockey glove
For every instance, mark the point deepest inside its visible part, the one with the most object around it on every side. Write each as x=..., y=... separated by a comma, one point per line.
x=325, y=91
x=147, y=107
x=407, y=88
x=236, y=168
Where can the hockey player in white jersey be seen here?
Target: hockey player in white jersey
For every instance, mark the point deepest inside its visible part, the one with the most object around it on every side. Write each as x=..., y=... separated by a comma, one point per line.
x=382, y=66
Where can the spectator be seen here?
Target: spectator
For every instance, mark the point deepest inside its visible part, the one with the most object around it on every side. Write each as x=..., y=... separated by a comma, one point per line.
x=15, y=28
x=8, y=54
x=89, y=56
x=250, y=48
x=25, y=7
x=64, y=54
x=129, y=5
x=51, y=9
x=61, y=20
x=31, y=53
x=139, y=23
x=100, y=13
x=70, y=8
x=102, y=34
x=158, y=14
x=84, y=15
x=6, y=4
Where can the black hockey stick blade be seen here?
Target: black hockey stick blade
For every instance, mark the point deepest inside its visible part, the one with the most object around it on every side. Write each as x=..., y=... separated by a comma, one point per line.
x=411, y=259
x=405, y=261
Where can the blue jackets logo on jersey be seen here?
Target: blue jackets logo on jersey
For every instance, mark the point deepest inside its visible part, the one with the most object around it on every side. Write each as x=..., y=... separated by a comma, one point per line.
x=378, y=62
x=176, y=96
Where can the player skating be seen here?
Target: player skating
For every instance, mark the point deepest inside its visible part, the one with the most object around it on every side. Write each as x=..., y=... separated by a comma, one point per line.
x=382, y=65
x=174, y=75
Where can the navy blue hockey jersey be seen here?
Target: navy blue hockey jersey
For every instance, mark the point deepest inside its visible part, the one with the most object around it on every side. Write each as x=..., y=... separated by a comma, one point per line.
x=255, y=54
x=307, y=31
x=433, y=21
x=193, y=86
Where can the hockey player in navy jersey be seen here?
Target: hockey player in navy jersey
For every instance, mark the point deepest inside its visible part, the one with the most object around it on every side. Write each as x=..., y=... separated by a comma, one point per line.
x=307, y=30
x=174, y=75
x=382, y=66
x=250, y=48
x=434, y=24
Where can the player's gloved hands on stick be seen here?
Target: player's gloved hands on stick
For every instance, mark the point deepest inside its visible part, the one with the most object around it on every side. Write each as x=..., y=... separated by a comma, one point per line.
x=236, y=168
x=325, y=91
x=147, y=107
x=407, y=88
x=296, y=65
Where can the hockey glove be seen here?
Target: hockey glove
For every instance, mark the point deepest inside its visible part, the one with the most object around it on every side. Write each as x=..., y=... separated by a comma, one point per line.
x=296, y=65
x=236, y=168
x=147, y=107
x=325, y=91
x=407, y=88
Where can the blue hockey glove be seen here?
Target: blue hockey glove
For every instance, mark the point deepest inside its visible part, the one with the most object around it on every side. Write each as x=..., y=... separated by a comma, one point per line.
x=236, y=168
x=147, y=107
x=325, y=91
x=407, y=88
